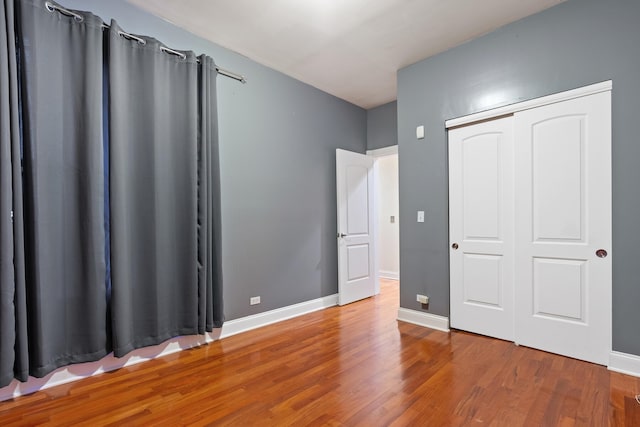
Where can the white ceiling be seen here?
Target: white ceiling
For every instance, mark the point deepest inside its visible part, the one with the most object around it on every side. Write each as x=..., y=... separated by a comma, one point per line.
x=348, y=48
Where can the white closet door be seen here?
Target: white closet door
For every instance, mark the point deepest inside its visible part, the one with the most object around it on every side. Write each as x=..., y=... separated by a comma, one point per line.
x=563, y=221
x=481, y=228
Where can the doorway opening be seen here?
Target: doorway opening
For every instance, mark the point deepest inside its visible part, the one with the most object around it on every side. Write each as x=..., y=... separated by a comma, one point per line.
x=387, y=215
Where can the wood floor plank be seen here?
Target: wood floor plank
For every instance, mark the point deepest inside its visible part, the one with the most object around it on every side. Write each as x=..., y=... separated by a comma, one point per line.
x=344, y=366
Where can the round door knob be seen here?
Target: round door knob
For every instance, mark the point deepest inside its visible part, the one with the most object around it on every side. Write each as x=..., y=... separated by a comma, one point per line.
x=454, y=246
x=601, y=253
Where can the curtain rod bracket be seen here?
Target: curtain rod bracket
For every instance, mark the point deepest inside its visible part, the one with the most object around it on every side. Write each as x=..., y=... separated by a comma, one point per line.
x=239, y=77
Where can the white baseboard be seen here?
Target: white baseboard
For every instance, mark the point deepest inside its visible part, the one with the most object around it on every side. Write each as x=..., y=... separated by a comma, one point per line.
x=394, y=275
x=244, y=324
x=624, y=363
x=108, y=363
x=427, y=320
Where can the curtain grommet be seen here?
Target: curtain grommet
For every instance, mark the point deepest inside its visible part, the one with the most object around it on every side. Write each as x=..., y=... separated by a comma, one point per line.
x=52, y=8
x=128, y=36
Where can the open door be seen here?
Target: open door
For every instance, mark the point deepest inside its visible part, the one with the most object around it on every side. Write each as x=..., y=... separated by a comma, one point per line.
x=356, y=248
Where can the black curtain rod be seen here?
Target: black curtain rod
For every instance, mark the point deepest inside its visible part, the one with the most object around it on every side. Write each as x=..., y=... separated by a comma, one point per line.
x=53, y=7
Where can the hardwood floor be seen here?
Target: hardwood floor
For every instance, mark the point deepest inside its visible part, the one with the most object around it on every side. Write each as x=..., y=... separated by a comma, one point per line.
x=344, y=366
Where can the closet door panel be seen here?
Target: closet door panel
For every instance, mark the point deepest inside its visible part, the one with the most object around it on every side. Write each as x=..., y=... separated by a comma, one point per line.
x=481, y=228
x=563, y=217
x=558, y=180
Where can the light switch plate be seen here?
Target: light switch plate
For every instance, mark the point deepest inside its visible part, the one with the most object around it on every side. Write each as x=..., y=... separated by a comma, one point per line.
x=420, y=132
x=420, y=216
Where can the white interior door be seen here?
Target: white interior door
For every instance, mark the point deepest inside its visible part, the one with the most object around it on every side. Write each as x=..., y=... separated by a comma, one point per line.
x=481, y=228
x=356, y=249
x=563, y=206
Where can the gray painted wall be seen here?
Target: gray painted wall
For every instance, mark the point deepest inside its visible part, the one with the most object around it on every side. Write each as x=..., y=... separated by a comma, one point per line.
x=277, y=151
x=571, y=45
x=382, y=126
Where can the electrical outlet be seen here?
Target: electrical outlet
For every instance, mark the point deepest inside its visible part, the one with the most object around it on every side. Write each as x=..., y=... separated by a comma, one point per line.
x=422, y=299
x=254, y=300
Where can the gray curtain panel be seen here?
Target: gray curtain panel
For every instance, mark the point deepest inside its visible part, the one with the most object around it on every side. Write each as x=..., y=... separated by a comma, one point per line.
x=209, y=215
x=13, y=320
x=153, y=108
x=164, y=179
x=61, y=60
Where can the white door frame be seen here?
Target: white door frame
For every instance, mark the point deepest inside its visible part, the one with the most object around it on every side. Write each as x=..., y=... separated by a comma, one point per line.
x=533, y=103
x=376, y=154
